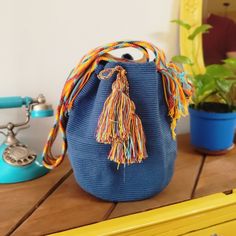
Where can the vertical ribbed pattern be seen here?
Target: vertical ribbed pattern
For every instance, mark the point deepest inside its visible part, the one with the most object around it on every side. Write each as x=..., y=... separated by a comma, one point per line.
x=93, y=171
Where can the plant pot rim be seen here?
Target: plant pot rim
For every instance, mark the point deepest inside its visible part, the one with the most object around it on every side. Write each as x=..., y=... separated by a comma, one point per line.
x=212, y=115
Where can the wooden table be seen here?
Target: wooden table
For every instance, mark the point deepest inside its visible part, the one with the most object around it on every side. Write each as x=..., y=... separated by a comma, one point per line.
x=55, y=203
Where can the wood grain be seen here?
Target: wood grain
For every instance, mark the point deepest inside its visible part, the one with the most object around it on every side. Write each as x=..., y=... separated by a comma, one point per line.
x=17, y=199
x=67, y=208
x=180, y=188
x=70, y=207
x=218, y=174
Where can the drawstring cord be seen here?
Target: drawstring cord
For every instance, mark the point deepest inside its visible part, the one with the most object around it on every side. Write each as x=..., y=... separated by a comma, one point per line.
x=177, y=91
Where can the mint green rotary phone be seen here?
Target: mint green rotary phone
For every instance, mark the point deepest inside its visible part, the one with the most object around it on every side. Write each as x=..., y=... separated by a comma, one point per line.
x=18, y=162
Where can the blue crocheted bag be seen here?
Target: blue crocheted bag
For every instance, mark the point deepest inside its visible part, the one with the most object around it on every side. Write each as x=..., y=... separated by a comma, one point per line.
x=118, y=118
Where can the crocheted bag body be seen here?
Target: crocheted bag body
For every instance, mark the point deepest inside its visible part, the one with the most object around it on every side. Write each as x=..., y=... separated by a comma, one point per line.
x=93, y=171
x=119, y=129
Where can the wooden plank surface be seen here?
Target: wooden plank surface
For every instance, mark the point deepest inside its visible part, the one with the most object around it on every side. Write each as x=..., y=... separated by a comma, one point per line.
x=16, y=200
x=180, y=188
x=67, y=208
x=218, y=174
x=70, y=207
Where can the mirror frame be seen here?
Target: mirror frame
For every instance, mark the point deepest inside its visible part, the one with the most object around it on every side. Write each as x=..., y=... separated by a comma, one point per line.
x=191, y=12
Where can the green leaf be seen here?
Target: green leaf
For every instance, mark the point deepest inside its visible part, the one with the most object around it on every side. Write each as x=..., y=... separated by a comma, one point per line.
x=215, y=97
x=219, y=71
x=224, y=86
x=198, y=81
x=182, y=23
x=214, y=86
x=205, y=86
x=232, y=95
x=203, y=79
x=199, y=30
x=182, y=60
x=230, y=63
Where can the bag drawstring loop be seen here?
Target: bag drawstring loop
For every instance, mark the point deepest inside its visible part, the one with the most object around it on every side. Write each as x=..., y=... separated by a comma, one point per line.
x=177, y=92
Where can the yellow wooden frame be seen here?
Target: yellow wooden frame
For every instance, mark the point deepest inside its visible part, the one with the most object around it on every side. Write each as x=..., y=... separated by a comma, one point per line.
x=191, y=12
x=205, y=213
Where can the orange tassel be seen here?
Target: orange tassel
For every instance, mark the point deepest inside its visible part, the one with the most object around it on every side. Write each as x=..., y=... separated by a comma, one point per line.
x=133, y=150
x=137, y=140
x=114, y=119
x=118, y=124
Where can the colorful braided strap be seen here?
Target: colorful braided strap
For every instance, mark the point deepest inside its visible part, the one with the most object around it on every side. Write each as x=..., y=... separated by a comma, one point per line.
x=177, y=91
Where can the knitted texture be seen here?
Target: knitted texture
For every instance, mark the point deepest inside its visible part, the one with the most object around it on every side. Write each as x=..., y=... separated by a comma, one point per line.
x=93, y=171
x=117, y=119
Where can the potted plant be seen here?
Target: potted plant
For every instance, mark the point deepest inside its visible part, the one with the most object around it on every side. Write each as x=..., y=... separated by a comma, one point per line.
x=213, y=108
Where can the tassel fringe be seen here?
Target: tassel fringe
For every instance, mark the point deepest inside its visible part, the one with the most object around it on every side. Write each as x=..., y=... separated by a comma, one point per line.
x=118, y=124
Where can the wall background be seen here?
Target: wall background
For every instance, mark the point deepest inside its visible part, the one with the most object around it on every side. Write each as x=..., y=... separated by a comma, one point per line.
x=42, y=40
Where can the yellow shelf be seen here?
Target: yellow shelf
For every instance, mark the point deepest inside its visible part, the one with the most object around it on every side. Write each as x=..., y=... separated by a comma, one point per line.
x=194, y=217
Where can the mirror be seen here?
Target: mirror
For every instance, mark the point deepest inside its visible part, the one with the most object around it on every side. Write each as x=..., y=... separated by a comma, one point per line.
x=220, y=42
x=196, y=12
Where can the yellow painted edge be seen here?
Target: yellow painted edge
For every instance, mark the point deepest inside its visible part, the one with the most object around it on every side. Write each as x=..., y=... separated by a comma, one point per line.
x=158, y=216
x=191, y=12
x=226, y=229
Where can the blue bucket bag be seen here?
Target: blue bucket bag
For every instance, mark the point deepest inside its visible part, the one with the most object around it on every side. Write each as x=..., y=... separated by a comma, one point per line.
x=117, y=117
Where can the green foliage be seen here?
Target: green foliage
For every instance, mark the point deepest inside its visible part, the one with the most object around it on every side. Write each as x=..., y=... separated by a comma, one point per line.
x=182, y=23
x=199, y=30
x=231, y=64
x=219, y=71
x=182, y=60
x=218, y=83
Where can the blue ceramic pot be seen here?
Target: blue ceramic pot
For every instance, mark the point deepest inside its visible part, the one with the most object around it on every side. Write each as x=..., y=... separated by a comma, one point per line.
x=212, y=131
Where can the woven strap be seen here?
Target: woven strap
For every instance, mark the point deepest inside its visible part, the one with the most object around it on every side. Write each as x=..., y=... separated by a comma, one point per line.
x=177, y=90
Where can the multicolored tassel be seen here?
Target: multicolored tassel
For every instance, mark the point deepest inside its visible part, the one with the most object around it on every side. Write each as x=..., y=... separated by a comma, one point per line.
x=118, y=123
